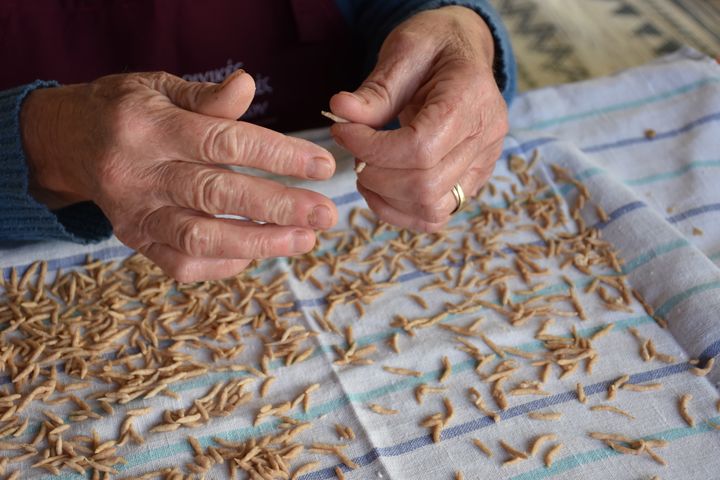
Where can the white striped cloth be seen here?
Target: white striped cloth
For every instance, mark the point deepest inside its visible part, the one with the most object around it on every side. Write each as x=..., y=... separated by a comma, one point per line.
x=663, y=199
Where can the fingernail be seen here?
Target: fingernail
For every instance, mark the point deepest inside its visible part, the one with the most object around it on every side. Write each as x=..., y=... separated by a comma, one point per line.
x=319, y=168
x=338, y=141
x=301, y=238
x=320, y=217
x=228, y=79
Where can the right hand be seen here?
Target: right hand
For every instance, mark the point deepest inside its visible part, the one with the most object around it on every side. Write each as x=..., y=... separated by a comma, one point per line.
x=150, y=150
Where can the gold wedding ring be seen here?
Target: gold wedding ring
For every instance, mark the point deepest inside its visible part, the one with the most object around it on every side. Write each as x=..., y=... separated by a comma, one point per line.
x=459, y=195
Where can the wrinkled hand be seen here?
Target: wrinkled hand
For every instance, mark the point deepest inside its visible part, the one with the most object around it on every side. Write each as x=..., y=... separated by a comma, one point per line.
x=151, y=150
x=434, y=73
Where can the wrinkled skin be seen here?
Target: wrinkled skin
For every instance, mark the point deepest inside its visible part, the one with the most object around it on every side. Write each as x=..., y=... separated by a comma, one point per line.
x=150, y=150
x=434, y=73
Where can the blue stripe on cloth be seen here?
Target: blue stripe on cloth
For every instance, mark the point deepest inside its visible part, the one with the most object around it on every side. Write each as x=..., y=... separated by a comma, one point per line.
x=577, y=460
x=673, y=301
x=362, y=397
x=655, y=252
x=710, y=352
x=395, y=450
x=347, y=198
x=693, y=212
x=484, y=421
x=659, y=136
x=691, y=87
x=657, y=177
x=620, y=212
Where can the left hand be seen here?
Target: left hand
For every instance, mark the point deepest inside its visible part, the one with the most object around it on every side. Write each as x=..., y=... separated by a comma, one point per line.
x=434, y=73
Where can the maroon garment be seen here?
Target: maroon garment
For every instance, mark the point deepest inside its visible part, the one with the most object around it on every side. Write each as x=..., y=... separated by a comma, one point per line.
x=299, y=51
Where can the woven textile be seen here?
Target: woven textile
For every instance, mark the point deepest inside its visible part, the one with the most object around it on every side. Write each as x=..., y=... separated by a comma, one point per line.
x=560, y=41
x=663, y=203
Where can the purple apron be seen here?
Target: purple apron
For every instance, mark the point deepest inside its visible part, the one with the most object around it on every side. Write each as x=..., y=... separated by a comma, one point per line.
x=299, y=51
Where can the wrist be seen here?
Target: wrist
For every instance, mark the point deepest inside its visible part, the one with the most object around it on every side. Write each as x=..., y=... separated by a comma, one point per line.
x=41, y=119
x=475, y=27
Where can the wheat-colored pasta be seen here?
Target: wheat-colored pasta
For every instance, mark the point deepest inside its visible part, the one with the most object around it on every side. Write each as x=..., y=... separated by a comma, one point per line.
x=382, y=410
x=701, y=372
x=645, y=387
x=612, y=389
x=613, y=409
x=684, y=406
x=447, y=369
x=540, y=441
x=550, y=455
x=484, y=448
x=304, y=468
x=512, y=451
x=580, y=392
x=548, y=416
x=402, y=371
x=139, y=342
x=394, y=342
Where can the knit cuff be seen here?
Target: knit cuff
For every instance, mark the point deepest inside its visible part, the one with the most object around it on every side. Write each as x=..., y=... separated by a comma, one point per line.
x=22, y=218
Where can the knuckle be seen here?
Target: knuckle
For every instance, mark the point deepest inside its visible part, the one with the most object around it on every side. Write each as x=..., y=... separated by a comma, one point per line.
x=210, y=192
x=219, y=143
x=378, y=87
x=422, y=150
x=157, y=77
x=260, y=246
x=134, y=232
x=406, y=40
x=446, y=107
x=281, y=206
x=193, y=239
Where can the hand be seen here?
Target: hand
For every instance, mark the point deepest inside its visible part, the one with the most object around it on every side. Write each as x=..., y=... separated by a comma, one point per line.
x=151, y=151
x=434, y=73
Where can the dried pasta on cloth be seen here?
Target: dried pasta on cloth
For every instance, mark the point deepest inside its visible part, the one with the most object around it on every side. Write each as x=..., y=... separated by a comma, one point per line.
x=445, y=361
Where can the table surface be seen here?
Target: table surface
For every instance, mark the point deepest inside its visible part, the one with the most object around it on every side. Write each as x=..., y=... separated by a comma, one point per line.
x=662, y=202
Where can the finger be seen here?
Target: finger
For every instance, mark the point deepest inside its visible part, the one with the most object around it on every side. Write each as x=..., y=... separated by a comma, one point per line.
x=428, y=216
x=199, y=235
x=218, y=191
x=391, y=215
x=424, y=185
x=198, y=138
x=402, y=65
x=229, y=99
x=185, y=268
x=453, y=110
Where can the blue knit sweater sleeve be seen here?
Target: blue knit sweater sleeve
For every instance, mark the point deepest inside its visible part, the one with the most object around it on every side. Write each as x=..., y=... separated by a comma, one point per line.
x=373, y=20
x=22, y=218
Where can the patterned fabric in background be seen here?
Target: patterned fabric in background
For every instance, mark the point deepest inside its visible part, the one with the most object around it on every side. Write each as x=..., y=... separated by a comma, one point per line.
x=560, y=41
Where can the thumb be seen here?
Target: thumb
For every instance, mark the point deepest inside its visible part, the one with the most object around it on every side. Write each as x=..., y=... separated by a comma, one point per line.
x=395, y=79
x=229, y=99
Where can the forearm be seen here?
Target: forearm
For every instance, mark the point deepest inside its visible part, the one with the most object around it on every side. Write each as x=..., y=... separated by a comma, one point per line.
x=373, y=20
